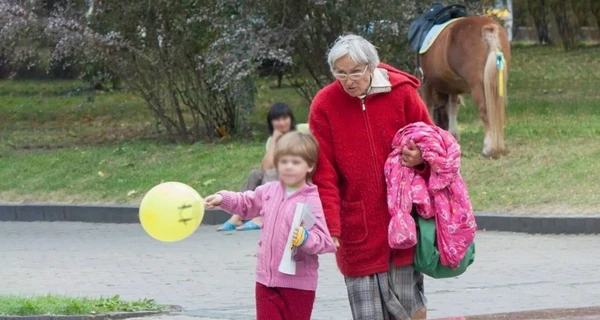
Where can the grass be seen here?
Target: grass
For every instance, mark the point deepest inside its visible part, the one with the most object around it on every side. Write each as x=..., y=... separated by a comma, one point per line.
x=60, y=144
x=62, y=305
x=553, y=134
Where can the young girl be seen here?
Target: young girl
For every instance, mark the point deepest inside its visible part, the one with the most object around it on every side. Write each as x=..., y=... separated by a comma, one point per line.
x=279, y=295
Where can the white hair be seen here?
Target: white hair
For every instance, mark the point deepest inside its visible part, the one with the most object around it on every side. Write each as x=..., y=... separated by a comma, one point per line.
x=358, y=48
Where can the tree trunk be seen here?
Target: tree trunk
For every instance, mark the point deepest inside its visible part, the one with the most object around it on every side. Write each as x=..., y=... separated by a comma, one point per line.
x=566, y=28
x=595, y=9
x=538, y=10
x=508, y=23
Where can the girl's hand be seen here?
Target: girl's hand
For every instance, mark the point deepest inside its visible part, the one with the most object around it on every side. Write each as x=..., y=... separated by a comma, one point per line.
x=298, y=237
x=213, y=201
x=336, y=242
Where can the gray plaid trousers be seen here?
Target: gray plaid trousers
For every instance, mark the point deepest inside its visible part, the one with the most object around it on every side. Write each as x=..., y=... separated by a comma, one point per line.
x=393, y=295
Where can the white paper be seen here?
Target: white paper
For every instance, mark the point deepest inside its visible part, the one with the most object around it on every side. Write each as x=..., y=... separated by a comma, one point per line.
x=309, y=220
x=288, y=264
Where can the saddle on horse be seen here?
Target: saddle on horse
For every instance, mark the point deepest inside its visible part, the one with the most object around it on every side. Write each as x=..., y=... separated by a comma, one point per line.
x=438, y=13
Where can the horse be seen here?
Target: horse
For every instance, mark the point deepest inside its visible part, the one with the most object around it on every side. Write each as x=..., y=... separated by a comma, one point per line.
x=470, y=55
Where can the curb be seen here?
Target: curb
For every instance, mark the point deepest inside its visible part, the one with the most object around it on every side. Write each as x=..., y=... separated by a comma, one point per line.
x=544, y=314
x=542, y=224
x=87, y=213
x=539, y=224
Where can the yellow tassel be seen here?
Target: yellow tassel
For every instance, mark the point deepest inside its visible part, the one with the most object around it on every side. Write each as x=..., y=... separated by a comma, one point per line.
x=501, y=82
x=500, y=66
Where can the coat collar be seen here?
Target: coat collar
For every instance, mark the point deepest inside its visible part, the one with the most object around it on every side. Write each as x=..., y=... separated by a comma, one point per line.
x=380, y=83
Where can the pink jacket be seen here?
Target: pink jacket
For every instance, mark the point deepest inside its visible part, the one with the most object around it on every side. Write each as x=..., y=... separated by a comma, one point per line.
x=441, y=193
x=277, y=212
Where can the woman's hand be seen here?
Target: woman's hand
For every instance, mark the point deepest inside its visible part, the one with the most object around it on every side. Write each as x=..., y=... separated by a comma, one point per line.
x=276, y=135
x=213, y=201
x=411, y=155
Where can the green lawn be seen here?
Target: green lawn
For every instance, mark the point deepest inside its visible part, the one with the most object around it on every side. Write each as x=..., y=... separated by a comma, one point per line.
x=62, y=145
x=62, y=305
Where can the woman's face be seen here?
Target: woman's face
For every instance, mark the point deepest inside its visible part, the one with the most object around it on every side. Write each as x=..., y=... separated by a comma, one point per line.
x=282, y=124
x=357, y=76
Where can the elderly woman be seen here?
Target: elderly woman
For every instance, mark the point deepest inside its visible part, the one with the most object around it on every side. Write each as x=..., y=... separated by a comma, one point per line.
x=354, y=120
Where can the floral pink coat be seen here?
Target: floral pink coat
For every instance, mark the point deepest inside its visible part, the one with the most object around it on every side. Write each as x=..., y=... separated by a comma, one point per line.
x=442, y=194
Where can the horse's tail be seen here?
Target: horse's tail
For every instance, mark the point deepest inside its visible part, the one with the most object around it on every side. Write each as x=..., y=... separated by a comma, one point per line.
x=495, y=76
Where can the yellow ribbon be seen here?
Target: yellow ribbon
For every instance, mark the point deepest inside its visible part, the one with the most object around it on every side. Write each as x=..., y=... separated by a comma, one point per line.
x=500, y=62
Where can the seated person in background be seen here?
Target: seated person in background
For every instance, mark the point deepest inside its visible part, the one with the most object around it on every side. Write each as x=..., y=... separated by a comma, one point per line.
x=280, y=121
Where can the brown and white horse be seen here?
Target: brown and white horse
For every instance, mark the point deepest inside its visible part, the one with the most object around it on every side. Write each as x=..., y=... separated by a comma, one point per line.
x=470, y=55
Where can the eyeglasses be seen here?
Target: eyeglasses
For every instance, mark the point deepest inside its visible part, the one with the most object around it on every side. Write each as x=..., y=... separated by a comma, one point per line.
x=353, y=76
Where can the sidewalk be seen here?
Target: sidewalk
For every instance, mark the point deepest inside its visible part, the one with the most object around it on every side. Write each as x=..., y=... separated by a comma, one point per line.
x=211, y=274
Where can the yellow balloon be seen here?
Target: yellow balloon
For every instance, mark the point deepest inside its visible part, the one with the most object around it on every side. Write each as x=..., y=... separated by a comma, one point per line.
x=171, y=211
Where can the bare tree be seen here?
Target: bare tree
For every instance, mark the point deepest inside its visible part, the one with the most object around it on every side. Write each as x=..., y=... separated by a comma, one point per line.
x=595, y=9
x=539, y=11
x=567, y=27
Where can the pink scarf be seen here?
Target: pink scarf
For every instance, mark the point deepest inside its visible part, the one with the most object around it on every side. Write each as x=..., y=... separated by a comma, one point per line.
x=442, y=196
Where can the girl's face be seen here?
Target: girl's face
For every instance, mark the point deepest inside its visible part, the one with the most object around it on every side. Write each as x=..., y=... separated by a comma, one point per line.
x=282, y=124
x=293, y=170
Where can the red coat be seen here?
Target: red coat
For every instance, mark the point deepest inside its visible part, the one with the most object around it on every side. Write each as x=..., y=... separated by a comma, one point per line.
x=353, y=147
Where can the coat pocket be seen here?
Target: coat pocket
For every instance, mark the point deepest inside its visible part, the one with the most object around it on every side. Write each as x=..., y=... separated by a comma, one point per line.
x=354, y=222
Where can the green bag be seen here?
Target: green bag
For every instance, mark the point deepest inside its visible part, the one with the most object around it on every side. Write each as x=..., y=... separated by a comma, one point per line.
x=427, y=256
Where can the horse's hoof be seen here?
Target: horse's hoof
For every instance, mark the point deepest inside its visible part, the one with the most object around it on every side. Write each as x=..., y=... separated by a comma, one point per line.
x=497, y=154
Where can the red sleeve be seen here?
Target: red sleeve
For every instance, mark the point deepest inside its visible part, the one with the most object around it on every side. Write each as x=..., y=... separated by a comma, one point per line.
x=414, y=107
x=326, y=176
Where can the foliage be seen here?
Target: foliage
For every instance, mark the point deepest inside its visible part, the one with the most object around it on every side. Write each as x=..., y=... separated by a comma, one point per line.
x=192, y=61
x=303, y=31
x=20, y=34
x=581, y=12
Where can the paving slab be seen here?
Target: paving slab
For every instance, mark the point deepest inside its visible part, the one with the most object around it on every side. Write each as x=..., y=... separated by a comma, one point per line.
x=211, y=274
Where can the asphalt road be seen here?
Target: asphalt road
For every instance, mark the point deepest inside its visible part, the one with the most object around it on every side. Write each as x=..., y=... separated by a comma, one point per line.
x=211, y=274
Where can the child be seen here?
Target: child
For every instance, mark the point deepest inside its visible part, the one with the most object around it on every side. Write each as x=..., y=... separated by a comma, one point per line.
x=279, y=295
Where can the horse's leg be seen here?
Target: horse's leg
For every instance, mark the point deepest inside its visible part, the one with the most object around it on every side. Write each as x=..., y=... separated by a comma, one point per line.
x=441, y=113
x=436, y=104
x=440, y=116
x=452, y=110
x=426, y=92
x=478, y=95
